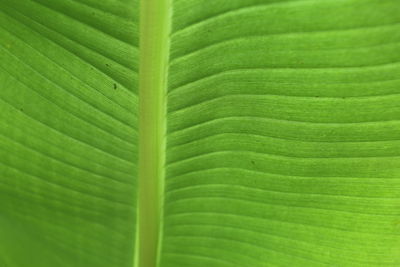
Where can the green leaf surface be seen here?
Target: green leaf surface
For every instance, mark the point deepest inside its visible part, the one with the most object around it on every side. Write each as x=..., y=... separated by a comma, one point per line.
x=242, y=133
x=68, y=132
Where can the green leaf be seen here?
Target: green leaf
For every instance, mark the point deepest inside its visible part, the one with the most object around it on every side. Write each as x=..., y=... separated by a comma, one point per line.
x=68, y=132
x=242, y=133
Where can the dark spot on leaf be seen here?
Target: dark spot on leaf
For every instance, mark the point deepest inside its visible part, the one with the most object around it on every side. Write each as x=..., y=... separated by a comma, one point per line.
x=21, y=109
x=108, y=65
x=115, y=86
x=252, y=162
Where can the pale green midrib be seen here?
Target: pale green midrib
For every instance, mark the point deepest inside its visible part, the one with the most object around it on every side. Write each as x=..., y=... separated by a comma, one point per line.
x=153, y=69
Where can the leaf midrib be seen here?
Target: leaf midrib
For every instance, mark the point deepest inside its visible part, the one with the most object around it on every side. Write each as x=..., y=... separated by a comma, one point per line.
x=153, y=71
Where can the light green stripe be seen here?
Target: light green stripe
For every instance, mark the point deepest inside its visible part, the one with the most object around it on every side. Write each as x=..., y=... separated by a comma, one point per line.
x=154, y=53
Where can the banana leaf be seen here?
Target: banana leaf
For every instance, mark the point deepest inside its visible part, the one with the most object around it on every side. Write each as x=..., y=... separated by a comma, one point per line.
x=192, y=133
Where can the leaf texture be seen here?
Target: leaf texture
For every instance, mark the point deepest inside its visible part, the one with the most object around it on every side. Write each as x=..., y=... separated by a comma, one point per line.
x=282, y=142
x=68, y=132
x=283, y=134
